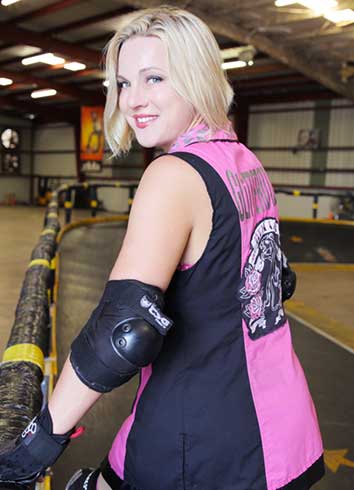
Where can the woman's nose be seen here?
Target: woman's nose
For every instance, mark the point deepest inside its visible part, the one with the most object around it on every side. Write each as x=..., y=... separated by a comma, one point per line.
x=137, y=97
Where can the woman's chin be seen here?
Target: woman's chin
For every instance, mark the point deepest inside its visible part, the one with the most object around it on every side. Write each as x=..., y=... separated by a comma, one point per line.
x=147, y=142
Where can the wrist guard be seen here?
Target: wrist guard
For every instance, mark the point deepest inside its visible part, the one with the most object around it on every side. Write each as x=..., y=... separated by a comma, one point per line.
x=26, y=458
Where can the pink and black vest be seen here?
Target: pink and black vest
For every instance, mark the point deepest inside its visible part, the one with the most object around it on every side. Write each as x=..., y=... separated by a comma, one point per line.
x=226, y=405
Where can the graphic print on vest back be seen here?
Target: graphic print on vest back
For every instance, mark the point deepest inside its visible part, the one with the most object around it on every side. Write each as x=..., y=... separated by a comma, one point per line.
x=260, y=288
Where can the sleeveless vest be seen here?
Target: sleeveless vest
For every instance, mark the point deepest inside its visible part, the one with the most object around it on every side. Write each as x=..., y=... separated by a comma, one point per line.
x=226, y=405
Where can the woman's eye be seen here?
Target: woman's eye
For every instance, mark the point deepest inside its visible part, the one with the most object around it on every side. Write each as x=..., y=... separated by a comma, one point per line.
x=123, y=84
x=154, y=79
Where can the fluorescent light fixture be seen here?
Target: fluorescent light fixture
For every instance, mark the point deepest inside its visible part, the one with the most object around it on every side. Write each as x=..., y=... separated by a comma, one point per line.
x=74, y=66
x=47, y=58
x=229, y=65
x=283, y=3
x=325, y=8
x=106, y=83
x=235, y=52
x=320, y=6
x=317, y=5
x=6, y=81
x=339, y=16
x=5, y=3
x=47, y=92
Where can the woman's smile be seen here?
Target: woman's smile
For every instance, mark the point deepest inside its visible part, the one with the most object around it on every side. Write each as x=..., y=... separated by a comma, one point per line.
x=142, y=120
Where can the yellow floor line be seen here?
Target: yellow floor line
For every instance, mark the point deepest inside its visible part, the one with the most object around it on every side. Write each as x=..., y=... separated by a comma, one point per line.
x=339, y=333
x=317, y=220
x=321, y=267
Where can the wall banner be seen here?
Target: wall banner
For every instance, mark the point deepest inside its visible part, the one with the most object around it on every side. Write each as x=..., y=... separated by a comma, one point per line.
x=92, y=141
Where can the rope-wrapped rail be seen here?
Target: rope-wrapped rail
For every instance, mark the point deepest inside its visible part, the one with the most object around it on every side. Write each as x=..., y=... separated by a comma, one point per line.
x=22, y=367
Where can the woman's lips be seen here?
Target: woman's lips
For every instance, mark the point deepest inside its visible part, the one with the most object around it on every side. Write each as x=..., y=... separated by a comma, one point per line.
x=142, y=121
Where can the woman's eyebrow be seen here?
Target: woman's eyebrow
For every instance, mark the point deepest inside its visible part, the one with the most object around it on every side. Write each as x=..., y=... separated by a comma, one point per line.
x=143, y=70
x=150, y=68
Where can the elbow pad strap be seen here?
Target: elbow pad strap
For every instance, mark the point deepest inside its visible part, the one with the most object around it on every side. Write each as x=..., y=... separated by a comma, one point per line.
x=146, y=303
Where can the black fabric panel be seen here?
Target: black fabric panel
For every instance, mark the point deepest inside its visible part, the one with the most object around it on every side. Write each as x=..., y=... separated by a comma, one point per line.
x=196, y=426
x=112, y=478
x=312, y=475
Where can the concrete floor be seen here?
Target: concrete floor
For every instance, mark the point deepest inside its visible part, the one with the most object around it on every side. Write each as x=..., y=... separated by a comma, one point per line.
x=19, y=231
x=330, y=292
x=328, y=367
x=87, y=255
x=20, y=227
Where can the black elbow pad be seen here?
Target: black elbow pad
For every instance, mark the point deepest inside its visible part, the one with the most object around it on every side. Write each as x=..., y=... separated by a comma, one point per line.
x=288, y=282
x=124, y=333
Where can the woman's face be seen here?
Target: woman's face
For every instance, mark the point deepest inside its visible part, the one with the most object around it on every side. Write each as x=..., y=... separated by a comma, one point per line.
x=149, y=103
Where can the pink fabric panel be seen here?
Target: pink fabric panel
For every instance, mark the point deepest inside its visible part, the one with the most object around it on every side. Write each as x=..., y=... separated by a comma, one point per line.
x=288, y=424
x=118, y=450
x=184, y=267
x=290, y=434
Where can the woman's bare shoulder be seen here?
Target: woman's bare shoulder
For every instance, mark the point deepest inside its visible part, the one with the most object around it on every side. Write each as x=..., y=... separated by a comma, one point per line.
x=169, y=165
x=160, y=223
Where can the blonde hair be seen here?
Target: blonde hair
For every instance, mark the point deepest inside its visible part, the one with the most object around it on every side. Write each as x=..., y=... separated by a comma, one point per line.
x=194, y=69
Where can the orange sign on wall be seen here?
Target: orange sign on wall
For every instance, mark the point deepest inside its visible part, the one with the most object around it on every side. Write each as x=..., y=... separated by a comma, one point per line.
x=92, y=142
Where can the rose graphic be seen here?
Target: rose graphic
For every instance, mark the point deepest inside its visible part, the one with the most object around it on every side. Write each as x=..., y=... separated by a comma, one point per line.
x=253, y=282
x=256, y=307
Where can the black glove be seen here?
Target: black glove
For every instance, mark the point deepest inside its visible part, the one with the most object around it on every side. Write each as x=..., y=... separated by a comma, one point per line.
x=26, y=458
x=288, y=280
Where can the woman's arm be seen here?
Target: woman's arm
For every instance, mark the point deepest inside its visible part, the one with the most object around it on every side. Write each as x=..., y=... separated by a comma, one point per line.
x=70, y=400
x=159, y=225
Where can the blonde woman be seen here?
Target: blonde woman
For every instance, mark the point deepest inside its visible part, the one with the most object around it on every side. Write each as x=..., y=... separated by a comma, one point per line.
x=194, y=300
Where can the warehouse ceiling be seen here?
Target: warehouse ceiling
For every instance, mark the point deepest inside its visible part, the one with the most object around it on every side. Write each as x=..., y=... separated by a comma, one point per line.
x=293, y=51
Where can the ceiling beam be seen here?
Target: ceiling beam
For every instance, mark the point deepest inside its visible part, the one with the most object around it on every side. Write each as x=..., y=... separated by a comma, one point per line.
x=46, y=10
x=288, y=16
x=322, y=34
x=107, y=35
x=17, y=35
x=73, y=75
x=28, y=107
x=95, y=39
x=65, y=89
x=271, y=81
x=258, y=69
x=292, y=14
x=77, y=24
x=228, y=7
x=73, y=25
x=288, y=97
